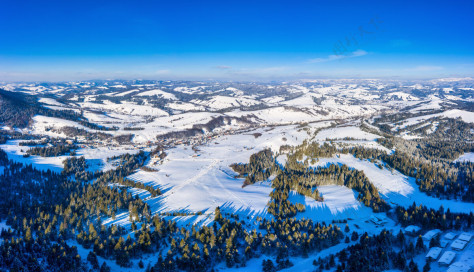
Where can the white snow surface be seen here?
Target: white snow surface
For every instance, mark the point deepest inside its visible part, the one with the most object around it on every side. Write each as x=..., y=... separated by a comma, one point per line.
x=160, y=93
x=222, y=102
x=403, y=96
x=201, y=181
x=127, y=92
x=466, y=157
x=126, y=107
x=339, y=203
x=346, y=131
x=50, y=101
x=15, y=153
x=466, y=116
x=394, y=186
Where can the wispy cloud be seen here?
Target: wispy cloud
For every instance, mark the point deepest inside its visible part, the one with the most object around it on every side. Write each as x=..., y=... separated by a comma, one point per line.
x=223, y=67
x=272, y=72
x=162, y=72
x=425, y=68
x=357, y=53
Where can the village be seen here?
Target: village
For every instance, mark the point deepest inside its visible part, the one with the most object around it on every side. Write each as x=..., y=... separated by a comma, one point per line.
x=446, y=251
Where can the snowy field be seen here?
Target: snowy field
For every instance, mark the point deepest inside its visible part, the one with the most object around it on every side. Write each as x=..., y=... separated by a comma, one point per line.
x=339, y=133
x=395, y=187
x=16, y=152
x=201, y=181
x=466, y=157
x=96, y=157
x=339, y=203
x=353, y=136
x=466, y=116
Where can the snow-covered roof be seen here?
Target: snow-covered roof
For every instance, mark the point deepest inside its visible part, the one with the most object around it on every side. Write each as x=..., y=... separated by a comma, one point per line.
x=434, y=253
x=458, y=244
x=449, y=236
x=378, y=220
x=431, y=234
x=412, y=228
x=447, y=258
x=465, y=236
x=459, y=267
x=443, y=243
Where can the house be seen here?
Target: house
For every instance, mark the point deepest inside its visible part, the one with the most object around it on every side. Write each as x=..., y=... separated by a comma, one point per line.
x=443, y=243
x=465, y=236
x=447, y=258
x=412, y=230
x=433, y=253
x=458, y=244
x=431, y=234
x=378, y=220
x=449, y=236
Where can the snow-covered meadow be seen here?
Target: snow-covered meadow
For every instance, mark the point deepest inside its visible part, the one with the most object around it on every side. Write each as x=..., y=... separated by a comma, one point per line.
x=194, y=181
x=395, y=187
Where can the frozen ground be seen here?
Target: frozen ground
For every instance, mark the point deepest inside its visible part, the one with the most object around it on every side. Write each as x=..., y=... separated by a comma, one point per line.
x=339, y=203
x=97, y=157
x=340, y=133
x=466, y=116
x=349, y=136
x=394, y=186
x=4, y=226
x=15, y=153
x=466, y=157
x=159, y=93
x=201, y=181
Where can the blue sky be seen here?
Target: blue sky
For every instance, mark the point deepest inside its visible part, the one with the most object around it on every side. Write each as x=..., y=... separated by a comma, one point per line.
x=235, y=40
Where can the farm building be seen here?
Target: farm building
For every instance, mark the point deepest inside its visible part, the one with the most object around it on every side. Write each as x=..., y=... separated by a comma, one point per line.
x=449, y=236
x=459, y=267
x=412, y=230
x=447, y=258
x=458, y=244
x=431, y=234
x=378, y=220
x=465, y=236
x=443, y=243
x=434, y=253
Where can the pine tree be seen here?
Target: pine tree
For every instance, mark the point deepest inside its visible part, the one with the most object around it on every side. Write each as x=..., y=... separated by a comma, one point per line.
x=354, y=236
x=218, y=215
x=401, y=238
x=427, y=266
x=332, y=261
x=346, y=229
x=104, y=268
x=434, y=242
x=92, y=258
x=412, y=266
x=268, y=266
x=419, y=244
x=28, y=236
